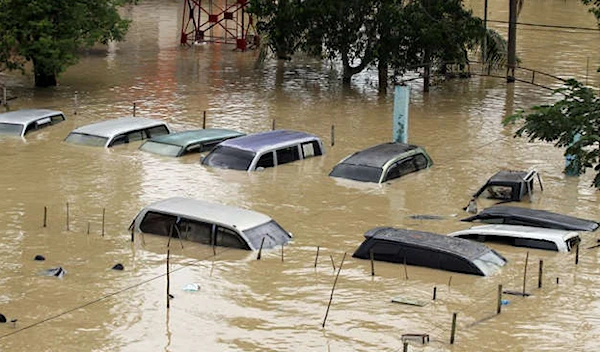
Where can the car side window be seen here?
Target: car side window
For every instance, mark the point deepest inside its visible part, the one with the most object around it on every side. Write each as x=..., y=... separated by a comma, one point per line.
x=195, y=231
x=287, y=155
x=120, y=139
x=157, y=131
x=228, y=238
x=136, y=136
x=57, y=118
x=157, y=223
x=400, y=168
x=311, y=149
x=266, y=160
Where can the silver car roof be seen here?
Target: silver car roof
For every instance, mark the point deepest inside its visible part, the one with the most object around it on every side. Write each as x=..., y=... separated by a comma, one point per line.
x=241, y=219
x=110, y=128
x=26, y=116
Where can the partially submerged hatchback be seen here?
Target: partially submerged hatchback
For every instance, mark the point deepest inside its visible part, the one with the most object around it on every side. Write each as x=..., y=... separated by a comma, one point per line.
x=522, y=236
x=211, y=224
x=504, y=214
x=382, y=163
x=186, y=142
x=429, y=250
x=114, y=132
x=263, y=150
x=21, y=122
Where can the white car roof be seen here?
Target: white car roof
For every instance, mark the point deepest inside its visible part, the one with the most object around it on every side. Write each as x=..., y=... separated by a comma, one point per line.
x=539, y=233
x=26, y=116
x=239, y=218
x=110, y=128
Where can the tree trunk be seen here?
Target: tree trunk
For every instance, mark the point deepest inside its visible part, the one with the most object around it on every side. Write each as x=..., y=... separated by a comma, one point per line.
x=42, y=77
x=382, y=68
x=427, y=72
x=347, y=71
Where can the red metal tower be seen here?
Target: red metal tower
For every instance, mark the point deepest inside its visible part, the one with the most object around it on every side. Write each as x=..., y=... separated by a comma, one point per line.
x=218, y=21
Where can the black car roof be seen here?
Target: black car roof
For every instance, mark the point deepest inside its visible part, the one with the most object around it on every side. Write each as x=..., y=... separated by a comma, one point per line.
x=535, y=217
x=378, y=155
x=458, y=246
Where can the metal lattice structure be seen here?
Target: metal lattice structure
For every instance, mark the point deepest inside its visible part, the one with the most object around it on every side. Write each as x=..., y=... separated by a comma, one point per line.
x=218, y=21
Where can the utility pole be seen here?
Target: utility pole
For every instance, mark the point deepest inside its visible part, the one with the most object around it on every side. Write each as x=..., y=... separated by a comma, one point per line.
x=512, y=41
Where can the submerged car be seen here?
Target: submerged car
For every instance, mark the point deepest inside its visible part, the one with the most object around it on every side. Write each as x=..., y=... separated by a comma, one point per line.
x=504, y=214
x=262, y=150
x=522, y=236
x=210, y=224
x=383, y=162
x=509, y=185
x=123, y=130
x=21, y=122
x=429, y=250
x=186, y=142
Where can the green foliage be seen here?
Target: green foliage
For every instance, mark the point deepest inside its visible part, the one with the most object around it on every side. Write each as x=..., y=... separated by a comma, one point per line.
x=595, y=7
x=49, y=33
x=572, y=123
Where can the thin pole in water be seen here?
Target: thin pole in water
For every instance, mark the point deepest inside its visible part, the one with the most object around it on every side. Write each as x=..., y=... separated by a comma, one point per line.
x=372, y=262
x=88, y=228
x=282, y=252
x=168, y=281
x=405, y=270
x=76, y=103
x=103, y=214
x=332, y=262
x=204, y=120
x=449, y=280
x=434, y=292
x=260, y=249
x=273, y=127
x=525, y=272
x=317, y=256
x=453, y=331
x=577, y=254
x=540, y=273
x=332, y=135
x=45, y=215
x=132, y=232
x=499, y=303
x=134, y=109
x=333, y=289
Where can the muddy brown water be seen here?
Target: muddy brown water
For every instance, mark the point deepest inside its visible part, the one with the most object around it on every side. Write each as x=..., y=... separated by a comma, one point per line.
x=269, y=305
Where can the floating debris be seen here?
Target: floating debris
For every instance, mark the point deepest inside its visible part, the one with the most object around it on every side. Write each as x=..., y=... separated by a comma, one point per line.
x=427, y=217
x=118, y=266
x=191, y=287
x=39, y=257
x=58, y=272
x=408, y=301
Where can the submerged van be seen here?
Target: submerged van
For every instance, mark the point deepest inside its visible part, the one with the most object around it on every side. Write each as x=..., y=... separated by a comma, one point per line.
x=522, y=236
x=262, y=150
x=114, y=132
x=210, y=224
x=429, y=250
x=21, y=122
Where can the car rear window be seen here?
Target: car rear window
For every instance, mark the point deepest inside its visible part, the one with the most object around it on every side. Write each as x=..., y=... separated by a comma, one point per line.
x=86, y=139
x=229, y=158
x=161, y=148
x=357, y=172
x=11, y=128
x=270, y=231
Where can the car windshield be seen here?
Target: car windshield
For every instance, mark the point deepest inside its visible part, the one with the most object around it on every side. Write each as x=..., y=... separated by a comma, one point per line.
x=489, y=262
x=270, y=231
x=229, y=158
x=86, y=139
x=357, y=172
x=11, y=128
x=161, y=148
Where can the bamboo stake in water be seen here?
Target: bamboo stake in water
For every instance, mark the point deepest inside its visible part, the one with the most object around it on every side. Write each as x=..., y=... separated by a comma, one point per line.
x=132, y=232
x=204, y=120
x=317, y=256
x=67, y=216
x=282, y=252
x=103, y=214
x=434, y=292
x=333, y=289
x=499, y=303
x=540, y=273
x=260, y=249
x=525, y=273
x=332, y=262
x=45, y=215
x=273, y=127
x=577, y=254
x=88, y=228
x=453, y=331
x=405, y=270
x=76, y=103
x=332, y=135
x=449, y=280
x=134, y=109
x=168, y=281
x=372, y=262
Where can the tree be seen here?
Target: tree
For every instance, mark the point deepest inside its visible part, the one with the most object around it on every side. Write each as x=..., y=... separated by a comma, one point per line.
x=50, y=33
x=572, y=123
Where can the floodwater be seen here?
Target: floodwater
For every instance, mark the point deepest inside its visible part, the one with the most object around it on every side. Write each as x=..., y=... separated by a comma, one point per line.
x=272, y=304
